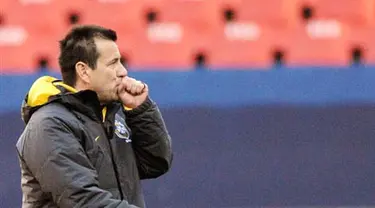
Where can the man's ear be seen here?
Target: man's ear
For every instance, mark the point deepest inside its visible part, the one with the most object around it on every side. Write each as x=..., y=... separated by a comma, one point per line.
x=82, y=71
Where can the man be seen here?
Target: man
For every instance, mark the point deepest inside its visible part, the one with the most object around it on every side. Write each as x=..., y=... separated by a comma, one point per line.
x=92, y=137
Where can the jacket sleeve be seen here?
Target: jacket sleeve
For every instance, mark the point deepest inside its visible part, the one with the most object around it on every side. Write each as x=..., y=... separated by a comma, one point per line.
x=151, y=140
x=58, y=161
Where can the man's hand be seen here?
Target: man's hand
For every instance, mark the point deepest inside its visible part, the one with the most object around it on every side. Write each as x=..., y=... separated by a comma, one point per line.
x=132, y=92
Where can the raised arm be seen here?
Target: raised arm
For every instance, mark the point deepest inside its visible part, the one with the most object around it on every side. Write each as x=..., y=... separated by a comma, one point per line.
x=151, y=140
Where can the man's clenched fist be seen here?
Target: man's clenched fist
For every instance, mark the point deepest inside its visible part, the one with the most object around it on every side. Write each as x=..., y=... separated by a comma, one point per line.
x=132, y=92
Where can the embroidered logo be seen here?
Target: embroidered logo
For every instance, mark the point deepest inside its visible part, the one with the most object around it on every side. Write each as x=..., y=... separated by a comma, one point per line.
x=120, y=129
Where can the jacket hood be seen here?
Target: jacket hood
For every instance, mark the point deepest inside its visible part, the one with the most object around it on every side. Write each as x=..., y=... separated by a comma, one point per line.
x=43, y=91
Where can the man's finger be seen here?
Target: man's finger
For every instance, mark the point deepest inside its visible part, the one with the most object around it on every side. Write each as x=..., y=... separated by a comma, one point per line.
x=133, y=88
x=128, y=81
x=140, y=87
x=145, y=87
x=136, y=88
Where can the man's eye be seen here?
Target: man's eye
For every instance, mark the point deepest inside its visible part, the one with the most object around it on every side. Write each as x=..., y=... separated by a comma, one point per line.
x=114, y=62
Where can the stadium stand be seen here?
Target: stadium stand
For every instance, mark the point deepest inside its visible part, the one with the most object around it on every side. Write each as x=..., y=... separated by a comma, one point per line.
x=174, y=34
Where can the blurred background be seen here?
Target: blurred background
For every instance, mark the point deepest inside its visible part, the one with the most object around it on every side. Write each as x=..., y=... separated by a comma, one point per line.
x=270, y=103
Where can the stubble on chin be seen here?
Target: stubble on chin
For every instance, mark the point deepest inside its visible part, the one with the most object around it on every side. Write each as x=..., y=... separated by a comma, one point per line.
x=108, y=98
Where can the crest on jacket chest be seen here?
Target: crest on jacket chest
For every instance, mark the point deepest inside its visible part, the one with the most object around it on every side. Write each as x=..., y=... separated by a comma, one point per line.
x=121, y=129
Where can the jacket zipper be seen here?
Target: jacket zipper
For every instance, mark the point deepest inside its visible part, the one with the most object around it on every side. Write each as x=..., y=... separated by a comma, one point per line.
x=114, y=164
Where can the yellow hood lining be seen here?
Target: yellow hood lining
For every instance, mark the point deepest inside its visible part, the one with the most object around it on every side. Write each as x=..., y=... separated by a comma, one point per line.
x=43, y=88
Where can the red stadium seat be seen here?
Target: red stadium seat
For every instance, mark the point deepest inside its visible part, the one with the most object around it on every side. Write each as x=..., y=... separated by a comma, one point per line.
x=350, y=11
x=22, y=52
x=243, y=45
x=44, y=22
x=321, y=42
x=363, y=38
x=201, y=16
x=173, y=39
x=12, y=40
x=163, y=45
x=124, y=16
x=272, y=12
x=47, y=17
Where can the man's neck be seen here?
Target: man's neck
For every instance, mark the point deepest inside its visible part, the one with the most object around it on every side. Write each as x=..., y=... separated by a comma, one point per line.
x=80, y=86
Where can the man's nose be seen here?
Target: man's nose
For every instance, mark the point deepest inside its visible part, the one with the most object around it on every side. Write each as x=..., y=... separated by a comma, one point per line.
x=122, y=71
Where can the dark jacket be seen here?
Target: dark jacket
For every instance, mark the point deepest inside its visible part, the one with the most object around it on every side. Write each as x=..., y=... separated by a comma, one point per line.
x=76, y=153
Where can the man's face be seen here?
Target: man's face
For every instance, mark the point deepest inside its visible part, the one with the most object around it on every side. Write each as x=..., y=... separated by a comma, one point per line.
x=105, y=79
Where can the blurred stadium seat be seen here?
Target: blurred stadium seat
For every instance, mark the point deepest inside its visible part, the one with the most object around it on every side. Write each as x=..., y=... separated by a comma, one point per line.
x=30, y=31
x=244, y=44
x=349, y=11
x=124, y=16
x=48, y=17
x=278, y=13
x=201, y=17
x=161, y=45
x=362, y=39
x=23, y=52
x=174, y=33
x=320, y=42
x=37, y=19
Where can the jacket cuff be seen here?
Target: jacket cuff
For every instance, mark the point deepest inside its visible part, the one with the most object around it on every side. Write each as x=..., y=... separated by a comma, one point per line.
x=140, y=109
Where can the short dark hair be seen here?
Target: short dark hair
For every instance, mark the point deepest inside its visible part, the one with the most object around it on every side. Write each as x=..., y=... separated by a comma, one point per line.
x=79, y=45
